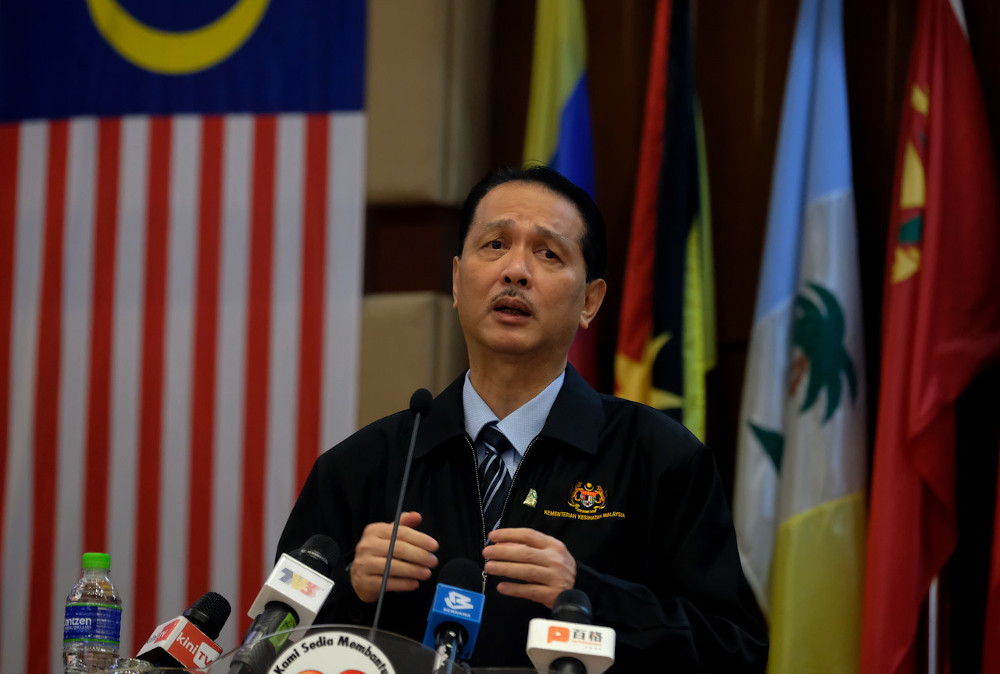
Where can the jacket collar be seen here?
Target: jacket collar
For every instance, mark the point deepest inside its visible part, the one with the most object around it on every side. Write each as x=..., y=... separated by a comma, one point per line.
x=575, y=419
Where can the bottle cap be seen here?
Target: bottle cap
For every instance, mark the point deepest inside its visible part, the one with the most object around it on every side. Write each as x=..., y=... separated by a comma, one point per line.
x=96, y=560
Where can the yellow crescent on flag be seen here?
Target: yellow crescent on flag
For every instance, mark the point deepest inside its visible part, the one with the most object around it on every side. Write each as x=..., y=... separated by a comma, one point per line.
x=176, y=52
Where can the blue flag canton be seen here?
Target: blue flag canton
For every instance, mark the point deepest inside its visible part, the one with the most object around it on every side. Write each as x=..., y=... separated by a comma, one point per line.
x=118, y=57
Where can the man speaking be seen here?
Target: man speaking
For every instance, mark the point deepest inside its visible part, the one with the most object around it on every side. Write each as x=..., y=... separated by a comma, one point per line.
x=524, y=468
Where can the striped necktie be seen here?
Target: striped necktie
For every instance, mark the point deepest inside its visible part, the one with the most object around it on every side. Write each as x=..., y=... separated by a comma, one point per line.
x=494, y=479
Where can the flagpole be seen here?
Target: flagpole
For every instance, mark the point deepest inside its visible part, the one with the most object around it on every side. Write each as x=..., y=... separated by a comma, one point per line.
x=932, y=627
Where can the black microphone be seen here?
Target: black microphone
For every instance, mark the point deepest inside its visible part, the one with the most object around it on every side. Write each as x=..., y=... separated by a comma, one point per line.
x=571, y=606
x=456, y=612
x=291, y=597
x=569, y=643
x=420, y=406
x=188, y=641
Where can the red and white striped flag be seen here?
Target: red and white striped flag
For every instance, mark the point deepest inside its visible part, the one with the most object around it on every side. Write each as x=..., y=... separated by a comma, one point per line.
x=179, y=320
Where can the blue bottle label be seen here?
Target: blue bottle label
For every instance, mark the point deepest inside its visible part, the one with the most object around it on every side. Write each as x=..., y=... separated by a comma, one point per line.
x=93, y=622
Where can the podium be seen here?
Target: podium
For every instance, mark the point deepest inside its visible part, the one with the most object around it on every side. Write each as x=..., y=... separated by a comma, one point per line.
x=321, y=649
x=346, y=648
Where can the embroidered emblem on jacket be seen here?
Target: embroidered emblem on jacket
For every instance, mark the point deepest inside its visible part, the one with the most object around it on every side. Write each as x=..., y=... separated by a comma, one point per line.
x=531, y=500
x=586, y=498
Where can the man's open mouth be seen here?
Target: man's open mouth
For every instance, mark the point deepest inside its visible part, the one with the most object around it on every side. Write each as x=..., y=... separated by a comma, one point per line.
x=512, y=307
x=512, y=311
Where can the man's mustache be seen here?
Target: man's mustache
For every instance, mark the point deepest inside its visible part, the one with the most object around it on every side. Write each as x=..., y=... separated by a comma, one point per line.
x=515, y=294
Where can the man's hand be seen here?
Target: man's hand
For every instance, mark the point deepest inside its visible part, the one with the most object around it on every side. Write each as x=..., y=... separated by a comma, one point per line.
x=541, y=562
x=412, y=557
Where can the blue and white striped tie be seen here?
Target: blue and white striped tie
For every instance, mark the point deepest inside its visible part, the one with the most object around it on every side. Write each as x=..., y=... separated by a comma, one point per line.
x=493, y=476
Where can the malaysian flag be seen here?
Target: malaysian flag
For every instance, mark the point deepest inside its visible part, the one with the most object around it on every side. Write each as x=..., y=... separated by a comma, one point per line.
x=181, y=223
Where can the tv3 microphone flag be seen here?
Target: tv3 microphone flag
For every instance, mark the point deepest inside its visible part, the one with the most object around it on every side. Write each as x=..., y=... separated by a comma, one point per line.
x=180, y=240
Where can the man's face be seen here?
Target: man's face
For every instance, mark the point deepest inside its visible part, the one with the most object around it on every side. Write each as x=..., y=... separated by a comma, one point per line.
x=520, y=284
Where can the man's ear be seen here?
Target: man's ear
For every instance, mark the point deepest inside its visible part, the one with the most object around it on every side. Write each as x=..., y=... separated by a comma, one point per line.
x=593, y=298
x=454, y=282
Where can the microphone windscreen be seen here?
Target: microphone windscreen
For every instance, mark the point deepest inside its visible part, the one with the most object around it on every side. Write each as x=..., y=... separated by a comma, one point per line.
x=573, y=606
x=209, y=613
x=463, y=573
x=420, y=402
x=319, y=553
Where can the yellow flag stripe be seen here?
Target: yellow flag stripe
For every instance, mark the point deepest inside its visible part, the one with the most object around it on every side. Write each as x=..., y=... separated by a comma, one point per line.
x=818, y=577
x=698, y=347
x=693, y=347
x=559, y=60
x=704, y=227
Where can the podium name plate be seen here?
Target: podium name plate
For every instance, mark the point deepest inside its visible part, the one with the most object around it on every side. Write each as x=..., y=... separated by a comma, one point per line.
x=342, y=651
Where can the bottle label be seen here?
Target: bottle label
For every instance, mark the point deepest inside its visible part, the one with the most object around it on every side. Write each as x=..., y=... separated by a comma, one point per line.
x=93, y=622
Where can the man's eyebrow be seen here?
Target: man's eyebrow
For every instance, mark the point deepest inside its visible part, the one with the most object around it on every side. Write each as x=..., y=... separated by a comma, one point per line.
x=541, y=230
x=497, y=224
x=549, y=233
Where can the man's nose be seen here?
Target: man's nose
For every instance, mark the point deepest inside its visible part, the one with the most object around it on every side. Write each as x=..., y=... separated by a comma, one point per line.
x=517, y=270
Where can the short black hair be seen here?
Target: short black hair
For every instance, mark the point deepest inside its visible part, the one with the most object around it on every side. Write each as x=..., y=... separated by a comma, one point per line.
x=593, y=244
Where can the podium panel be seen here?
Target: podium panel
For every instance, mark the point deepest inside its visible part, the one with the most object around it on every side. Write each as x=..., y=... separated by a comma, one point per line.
x=343, y=648
x=337, y=649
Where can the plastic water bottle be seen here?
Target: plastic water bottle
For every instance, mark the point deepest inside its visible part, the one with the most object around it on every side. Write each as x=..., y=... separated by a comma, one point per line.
x=93, y=618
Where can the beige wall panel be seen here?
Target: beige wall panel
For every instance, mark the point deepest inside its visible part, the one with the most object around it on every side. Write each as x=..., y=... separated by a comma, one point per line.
x=408, y=341
x=427, y=99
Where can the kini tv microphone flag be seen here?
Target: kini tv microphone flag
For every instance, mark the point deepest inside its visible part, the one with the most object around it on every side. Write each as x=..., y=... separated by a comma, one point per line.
x=569, y=643
x=457, y=611
x=188, y=641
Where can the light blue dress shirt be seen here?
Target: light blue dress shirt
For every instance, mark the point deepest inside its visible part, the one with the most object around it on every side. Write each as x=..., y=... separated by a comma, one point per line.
x=520, y=426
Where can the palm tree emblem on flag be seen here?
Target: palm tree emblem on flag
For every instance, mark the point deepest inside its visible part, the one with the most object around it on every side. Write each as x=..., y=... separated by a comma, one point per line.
x=818, y=341
x=819, y=338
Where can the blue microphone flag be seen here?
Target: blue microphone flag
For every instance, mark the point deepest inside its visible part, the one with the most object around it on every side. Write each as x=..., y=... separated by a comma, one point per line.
x=455, y=605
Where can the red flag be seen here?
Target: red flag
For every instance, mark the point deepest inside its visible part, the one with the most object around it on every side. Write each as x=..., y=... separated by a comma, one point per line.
x=666, y=328
x=991, y=630
x=635, y=328
x=941, y=326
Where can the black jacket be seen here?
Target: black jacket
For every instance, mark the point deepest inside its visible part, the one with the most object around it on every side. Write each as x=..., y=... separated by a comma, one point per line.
x=657, y=555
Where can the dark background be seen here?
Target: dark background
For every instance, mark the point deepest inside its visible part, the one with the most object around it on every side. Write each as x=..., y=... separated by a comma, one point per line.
x=741, y=54
x=742, y=50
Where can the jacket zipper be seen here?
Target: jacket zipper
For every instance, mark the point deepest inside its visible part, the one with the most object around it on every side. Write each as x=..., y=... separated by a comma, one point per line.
x=503, y=509
x=510, y=491
x=479, y=493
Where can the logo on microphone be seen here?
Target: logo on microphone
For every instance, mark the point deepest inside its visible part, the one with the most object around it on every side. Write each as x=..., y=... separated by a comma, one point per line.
x=205, y=655
x=297, y=582
x=163, y=632
x=558, y=634
x=580, y=636
x=457, y=601
x=200, y=651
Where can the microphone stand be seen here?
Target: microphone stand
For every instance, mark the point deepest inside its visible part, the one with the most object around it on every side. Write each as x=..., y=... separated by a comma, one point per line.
x=399, y=509
x=452, y=647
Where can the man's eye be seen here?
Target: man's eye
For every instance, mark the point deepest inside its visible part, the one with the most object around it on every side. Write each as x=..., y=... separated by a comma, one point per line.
x=549, y=255
x=495, y=244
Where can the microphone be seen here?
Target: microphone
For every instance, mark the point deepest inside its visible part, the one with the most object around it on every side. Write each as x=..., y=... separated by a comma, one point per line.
x=420, y=406
x=187, y=641
x=291, y=597
x=457, y=610
x=569, y=643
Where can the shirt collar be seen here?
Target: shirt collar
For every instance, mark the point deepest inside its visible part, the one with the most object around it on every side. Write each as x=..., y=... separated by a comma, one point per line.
x=520, y=426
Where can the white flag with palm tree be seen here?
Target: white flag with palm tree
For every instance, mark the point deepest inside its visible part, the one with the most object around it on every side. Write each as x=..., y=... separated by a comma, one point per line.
x=801, y=459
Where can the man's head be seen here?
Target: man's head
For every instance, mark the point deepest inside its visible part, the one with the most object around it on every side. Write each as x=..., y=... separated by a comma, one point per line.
x=529, y=273
x=594, y=242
